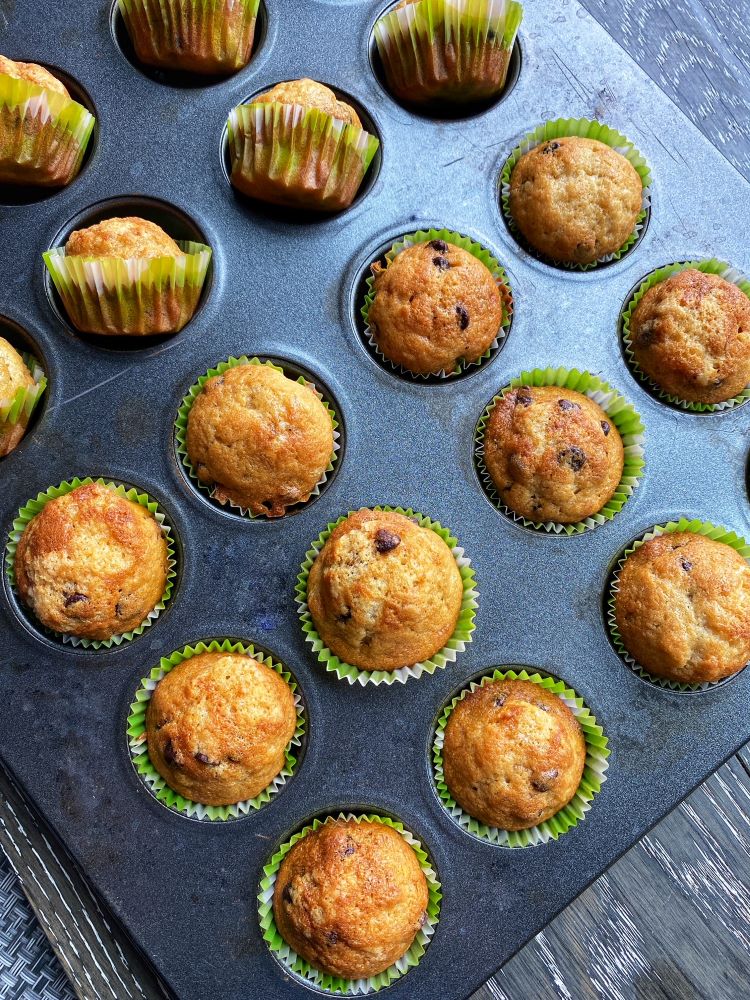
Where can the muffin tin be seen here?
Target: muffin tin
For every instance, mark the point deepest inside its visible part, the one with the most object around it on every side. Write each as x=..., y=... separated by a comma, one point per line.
x=285, y=286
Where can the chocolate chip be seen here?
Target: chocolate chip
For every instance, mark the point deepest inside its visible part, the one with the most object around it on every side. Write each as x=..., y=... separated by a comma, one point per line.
x=565, y=404
x=203, y=759
x=118, y=609
x=551, y=147
x=573, y=457
x=442, y=263
x=345, y=617
x=463, y=315
x=75, y=599
x=647, y=333
x=606, y=428
x=233, y=760
x=169, y=754
x=331, y=937
x=686, y=565
x=440, y=245
x=287, y=895
x=351, y=848
x=499, y=702
x=386, y=540
x=523, y=396
x=545, y=781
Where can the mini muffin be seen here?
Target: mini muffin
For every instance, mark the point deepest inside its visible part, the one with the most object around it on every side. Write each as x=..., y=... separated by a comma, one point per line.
x=384, y=592
x=92, y=563
x=261, y=440
x=682, y=608
x=435, y=305
x=14, y=375
x=218, y=726
x=513, y=755
x=310, y=94
x=575, y=200
x=691, y=335
x=129, y=239
x=553, y=454
x=350, y=898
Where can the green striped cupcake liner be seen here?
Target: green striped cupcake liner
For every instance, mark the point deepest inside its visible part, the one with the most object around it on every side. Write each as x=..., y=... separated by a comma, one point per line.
x=23, y=402
x=456, y=644
x=300, y=969
x=35, y=505
x=584, y=128
x=622, y=414
x=709, y=530
x=481, y=254
x=138, y=745
x=594, y=772
x=707, y=266
x=194, y=391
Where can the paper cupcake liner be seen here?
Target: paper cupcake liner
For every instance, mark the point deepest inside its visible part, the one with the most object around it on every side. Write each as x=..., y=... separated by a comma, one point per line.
x=622, y=414
x=21, y=405
x=301, y=969
x=584, y=128
x=113, y=296
x=291, y=155
x=455, y=645
x=481, y=254
x=712, y=266
x=594, y=772
x=34, y=506
x=450, y=50
x=43, y=134
x=182, y=421
x=138, y=744
x=709, y=530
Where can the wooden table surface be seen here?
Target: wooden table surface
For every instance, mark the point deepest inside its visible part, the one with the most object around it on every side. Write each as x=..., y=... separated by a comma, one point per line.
x=670, y=920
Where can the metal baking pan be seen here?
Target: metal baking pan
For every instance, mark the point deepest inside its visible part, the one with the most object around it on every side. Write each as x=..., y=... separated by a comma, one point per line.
x=284, y=286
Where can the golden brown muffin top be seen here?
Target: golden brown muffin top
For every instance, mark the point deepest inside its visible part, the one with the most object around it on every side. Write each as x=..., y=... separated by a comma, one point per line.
x=683, y=608
x=129, y=238
x=310, y=94
x=350, y=898
x=691, y=335
x=32, y=73
x=218, y=726
x=513, y=754
x=384, y=592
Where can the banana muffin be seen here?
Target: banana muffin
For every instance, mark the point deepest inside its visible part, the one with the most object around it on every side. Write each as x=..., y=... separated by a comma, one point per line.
x=14, y=375
x=384, y=592
x=218, y=726
x=310, y=94
x=682, y=608
x=513, y=755
x=575, y=200
x=92, y=563
x=262, y=441
x=691, y=335
x=435, y=305
x=350, y=898
x=553, y=454
x=129, y=239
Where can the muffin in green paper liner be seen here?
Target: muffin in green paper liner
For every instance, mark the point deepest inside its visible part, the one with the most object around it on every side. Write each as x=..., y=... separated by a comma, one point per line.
x=23, y=378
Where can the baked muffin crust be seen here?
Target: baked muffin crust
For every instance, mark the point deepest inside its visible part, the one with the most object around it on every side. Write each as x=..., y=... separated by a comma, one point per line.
x=14, y=375
x=32, y=73
x=128, y=238
x=310, y=94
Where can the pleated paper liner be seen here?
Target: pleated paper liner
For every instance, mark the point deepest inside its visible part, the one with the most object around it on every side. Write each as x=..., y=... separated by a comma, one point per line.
x=712, y=266
x=622, y=414
x=200, y=36
x=586, y=129
x=455, y=645
x=709, y=530
x=300, y=969
x=448, y=50
x=184, y=412
x=115, y=296
x=20, y=406
x=138, y=744
x=287, y=154
x=43, y=134
x=34, y=506
x=481, y=254
x=594, y=772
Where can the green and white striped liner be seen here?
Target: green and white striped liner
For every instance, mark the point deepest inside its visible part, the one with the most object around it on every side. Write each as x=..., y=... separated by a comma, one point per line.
x=709, y=530
x=481, y=254
x=594, y=772
x=707, y=266
x=622, y=414
x=455, y=645
x=35, y=505
x=23, y=402
x=301, y=969
x=584, y=128
x=138, y=745
x=194, y=391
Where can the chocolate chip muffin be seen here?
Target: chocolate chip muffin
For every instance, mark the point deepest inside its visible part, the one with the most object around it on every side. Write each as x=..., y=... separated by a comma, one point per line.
x=691, y=335
x=92, y=563
x=310, y=94
x=682, y=608
x=435, y=306
x=553, y=454
x=129, y=239
x=575, y=200
x=218, y=726
x=513, y=755
x=14, y=375
x=384, y=592
x=262, y=441
x=350, y=898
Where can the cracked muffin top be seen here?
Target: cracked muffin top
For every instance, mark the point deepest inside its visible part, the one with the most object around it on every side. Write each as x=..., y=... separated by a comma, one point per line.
x=384, y=592
x=310, y=94
x=32, y=73
x=129, y=238
x=350, y=898
x=14, y=375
